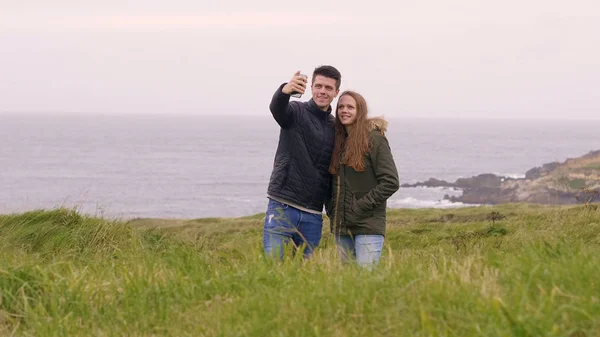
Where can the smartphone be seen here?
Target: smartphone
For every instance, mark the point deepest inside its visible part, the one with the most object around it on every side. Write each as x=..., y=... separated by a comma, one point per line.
x=297, y=94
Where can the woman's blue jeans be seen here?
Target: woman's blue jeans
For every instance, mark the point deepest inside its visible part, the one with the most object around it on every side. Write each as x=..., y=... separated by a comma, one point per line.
x=366, y=249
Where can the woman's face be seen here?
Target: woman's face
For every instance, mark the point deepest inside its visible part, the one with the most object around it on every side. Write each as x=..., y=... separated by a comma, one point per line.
x=346, y=110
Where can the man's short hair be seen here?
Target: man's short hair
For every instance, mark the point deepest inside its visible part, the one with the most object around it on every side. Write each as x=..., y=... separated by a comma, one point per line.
x=328, y=71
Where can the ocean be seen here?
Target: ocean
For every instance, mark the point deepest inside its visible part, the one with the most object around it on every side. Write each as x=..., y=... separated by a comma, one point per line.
x=183, y=166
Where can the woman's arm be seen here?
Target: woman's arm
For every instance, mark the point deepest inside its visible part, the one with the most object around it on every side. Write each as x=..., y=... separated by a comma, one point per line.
x=385, y=172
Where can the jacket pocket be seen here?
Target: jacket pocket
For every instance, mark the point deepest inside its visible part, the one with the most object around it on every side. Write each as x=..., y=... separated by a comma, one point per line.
x=359, y=213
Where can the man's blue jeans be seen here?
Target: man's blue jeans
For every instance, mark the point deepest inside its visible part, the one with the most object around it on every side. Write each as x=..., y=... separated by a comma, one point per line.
x=366, y=249
x=284, y=223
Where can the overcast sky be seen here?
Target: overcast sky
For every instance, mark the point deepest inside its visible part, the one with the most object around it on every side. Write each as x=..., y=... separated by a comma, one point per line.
x=409, y=58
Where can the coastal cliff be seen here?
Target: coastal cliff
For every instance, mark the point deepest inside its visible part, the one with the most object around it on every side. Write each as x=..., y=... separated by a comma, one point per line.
x=576, y=180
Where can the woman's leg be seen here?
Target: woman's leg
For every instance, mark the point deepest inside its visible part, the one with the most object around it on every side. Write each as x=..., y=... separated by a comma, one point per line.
x=368, y=249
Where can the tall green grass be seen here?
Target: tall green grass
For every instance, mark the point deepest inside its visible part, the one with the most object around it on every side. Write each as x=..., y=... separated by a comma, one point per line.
x=532, y=271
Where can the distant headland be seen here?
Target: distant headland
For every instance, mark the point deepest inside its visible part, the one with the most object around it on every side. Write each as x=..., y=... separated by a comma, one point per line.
x=576, y=180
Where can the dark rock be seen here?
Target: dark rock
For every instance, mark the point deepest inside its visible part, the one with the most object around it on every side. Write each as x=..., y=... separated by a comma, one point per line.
x=484, y=195
x=586, y=196
x=432, y=182
x=480, y=181
x=538, y=172
x=550, y=196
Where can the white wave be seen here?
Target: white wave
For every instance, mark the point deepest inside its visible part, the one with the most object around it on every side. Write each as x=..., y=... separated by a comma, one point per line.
x=511, y=175
x=411, y=202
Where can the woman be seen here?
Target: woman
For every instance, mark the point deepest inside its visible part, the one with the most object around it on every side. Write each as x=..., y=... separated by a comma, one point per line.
x=364, y=177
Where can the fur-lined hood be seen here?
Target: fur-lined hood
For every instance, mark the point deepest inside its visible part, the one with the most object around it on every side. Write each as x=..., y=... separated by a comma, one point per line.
x=378, y=123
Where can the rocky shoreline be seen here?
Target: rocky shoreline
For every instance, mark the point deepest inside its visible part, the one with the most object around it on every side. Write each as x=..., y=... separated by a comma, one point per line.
x=577, y=180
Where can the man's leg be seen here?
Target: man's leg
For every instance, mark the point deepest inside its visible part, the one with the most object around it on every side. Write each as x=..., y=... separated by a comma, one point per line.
x=309, y=232
x=278, y=228
x=345, y=247
x=368, y=249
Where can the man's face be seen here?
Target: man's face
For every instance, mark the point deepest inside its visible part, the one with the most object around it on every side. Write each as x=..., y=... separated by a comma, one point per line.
x=323, y=91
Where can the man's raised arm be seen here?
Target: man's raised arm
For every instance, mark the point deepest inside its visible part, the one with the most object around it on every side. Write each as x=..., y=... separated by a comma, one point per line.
x=284, y=112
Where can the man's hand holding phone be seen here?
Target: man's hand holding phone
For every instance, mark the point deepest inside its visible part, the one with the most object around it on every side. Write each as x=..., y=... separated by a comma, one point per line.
x=296, y=86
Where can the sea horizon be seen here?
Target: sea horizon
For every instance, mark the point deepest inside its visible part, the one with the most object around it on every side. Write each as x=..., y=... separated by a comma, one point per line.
x=189, y=166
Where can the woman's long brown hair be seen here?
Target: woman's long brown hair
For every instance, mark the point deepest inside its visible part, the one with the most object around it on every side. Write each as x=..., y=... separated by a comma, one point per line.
x=355, y=146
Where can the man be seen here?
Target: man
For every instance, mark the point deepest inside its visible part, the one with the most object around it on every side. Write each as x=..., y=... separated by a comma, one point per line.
x=300, y=181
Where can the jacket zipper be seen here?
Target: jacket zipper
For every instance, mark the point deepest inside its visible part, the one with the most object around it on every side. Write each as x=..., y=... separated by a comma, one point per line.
x=337, y=203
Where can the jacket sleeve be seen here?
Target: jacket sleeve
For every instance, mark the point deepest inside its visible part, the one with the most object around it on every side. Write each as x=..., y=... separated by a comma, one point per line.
x=282, y=110
x=385, y=172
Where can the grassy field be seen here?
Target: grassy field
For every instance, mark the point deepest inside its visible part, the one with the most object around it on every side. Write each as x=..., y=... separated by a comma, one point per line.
x=520, y=271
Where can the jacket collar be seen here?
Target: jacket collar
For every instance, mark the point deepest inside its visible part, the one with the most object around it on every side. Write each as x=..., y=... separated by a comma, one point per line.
x=315, y=109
